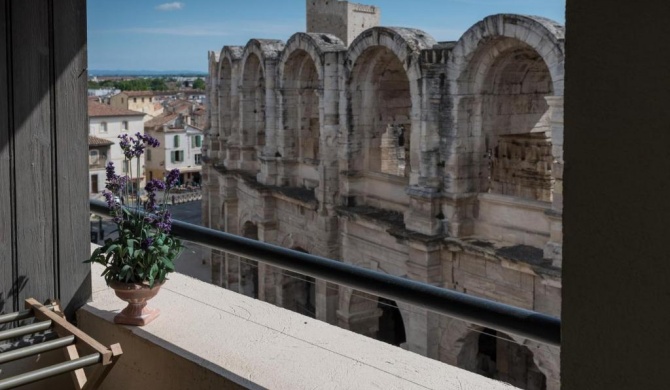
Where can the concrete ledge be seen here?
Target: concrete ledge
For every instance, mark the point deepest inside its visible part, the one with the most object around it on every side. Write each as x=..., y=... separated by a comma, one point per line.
x=210, y=338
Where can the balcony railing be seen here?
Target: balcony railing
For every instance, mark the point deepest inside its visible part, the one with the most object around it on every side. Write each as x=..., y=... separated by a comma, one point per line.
x=98, y=162
x=501, y=317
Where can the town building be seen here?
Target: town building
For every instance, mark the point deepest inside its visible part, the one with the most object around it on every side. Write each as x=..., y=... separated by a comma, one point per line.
x=106, y=124
x=98, y=151
x=437, y=161
x=180, y=148
x=147, y=102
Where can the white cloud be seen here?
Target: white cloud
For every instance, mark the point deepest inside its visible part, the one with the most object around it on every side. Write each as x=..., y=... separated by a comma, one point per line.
x=170, y=6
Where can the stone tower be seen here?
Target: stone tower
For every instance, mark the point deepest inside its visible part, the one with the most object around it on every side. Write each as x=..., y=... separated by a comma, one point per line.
x=341, y=18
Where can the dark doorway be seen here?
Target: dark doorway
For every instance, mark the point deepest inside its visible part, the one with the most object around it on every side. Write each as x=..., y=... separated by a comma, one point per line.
x=391, y=326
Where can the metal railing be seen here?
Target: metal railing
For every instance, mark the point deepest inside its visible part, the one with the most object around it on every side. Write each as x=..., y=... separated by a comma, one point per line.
x=483, y=312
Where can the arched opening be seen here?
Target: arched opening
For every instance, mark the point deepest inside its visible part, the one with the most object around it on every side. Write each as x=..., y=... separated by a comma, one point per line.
x=301, y=110
x=391, y=326
x=507, y=119
x=299, y=292
x=224, y=98
x=495, y=355
x=253, y=109
x=249, y=268
x=381, y=112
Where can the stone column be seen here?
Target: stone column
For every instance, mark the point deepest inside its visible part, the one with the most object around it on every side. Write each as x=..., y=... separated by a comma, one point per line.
x=554, y=248
x=267, y=155
x=422, y=326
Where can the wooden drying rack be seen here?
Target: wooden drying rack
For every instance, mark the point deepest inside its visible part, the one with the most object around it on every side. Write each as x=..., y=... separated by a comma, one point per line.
x=80, y=349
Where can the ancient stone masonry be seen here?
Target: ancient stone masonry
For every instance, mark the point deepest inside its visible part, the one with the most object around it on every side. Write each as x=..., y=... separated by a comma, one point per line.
x=441, y=162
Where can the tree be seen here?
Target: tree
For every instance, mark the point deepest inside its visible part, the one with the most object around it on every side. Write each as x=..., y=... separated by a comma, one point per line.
x=199, y=83
x=158, y=85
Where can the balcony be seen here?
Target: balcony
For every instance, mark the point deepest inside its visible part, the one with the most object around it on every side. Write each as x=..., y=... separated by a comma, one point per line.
x=97, y=163
x=209, y=337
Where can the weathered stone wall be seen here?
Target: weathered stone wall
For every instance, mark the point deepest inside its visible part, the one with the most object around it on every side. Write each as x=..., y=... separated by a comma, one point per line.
x=437, y=162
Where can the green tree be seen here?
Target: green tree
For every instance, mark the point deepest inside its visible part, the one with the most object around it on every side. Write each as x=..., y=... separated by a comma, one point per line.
x=158, y=85
x=199, y=83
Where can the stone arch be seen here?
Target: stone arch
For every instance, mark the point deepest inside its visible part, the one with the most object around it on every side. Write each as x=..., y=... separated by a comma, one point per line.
x=358, y=312
x=300, y=109
x=249, y=268
x=253, y=104
x=502, y=73
x=226, y=91
x=544, y=36
x=384, y=94
x=298, y=291
x=459, y=342
x=301, y=83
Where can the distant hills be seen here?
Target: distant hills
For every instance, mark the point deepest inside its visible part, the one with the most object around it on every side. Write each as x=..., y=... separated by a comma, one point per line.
x=141, y=73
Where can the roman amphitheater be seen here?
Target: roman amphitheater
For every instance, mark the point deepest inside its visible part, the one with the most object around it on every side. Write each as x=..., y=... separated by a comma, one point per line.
x=381, y=147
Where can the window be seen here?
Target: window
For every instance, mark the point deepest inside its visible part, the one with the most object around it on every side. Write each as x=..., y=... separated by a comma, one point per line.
x=198, y=159
x=176, y=141
x=93, y=158
x=124, y=125
x=148, y=154
x=196, y=142
x=142, y=100
x=121, y=100
x=103, y=127
x=177, y=156
x=134, y=100
x=94, y=184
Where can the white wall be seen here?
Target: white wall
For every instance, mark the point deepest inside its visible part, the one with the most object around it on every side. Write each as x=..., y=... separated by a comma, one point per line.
x=135, y=125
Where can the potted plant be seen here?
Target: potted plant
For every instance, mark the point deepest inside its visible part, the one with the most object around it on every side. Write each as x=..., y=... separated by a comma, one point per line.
x=138, y=261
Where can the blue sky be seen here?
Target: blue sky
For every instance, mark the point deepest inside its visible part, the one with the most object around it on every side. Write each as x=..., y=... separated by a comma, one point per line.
x=167, y=35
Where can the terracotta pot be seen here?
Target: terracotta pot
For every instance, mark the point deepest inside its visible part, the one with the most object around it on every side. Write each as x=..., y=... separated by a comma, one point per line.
x=137, y=312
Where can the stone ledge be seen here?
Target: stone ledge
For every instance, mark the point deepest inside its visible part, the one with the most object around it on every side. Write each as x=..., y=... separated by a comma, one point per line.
x=213, y=338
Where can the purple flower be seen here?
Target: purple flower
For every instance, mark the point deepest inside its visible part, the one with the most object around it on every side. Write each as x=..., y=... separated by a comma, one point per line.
x=146, y=243
x=172, y=178
x=111, y=173
x=165, y=223
x=126, y=145
x=109, y=198
x=151, y=188
x=151, y=141
x=114, y=206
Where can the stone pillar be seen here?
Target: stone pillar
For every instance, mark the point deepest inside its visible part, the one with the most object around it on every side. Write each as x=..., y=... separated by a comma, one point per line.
x=422, y=326
x=326, y=302
x=330, y=124
x=267, y=155
x=424, y=214
x=554, y=248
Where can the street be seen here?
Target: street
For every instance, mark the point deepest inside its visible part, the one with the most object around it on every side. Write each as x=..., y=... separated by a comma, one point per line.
x=194, y=260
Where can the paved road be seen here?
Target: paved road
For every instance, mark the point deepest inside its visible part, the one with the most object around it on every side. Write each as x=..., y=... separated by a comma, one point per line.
x=194, y=261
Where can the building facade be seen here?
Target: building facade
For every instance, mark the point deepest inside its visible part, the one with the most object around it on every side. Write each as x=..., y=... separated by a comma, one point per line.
x=107, y=123
x=180, y=148
x=141, y=101
x=441, y=162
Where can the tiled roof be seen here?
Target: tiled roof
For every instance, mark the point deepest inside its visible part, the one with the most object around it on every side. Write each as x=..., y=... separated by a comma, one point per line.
x=96, y=109
x=95, y=141
x=148, y=93
x=160, y=120
x=139, y=93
